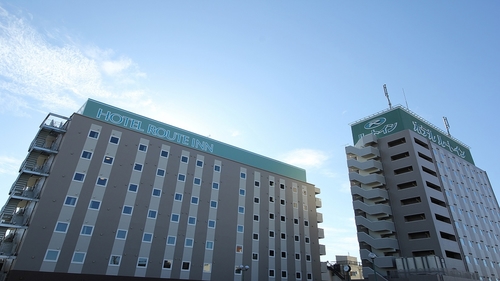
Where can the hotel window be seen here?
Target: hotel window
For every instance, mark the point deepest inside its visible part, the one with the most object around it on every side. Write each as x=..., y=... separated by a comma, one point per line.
x=241, y=210
x=164, y=153
x=296, y=221
x=87, y=230
x=147, y=237
x=70, y=201
x=191, y=220
x=188, y=242
x=282, y=186
x=142, y=262
x=127, y=210
x=309, y=276
x=271, y=272
x=283, y=218
x=242, y=192
x=271, y=233
x=215, y=185
x=93, y=134
x=243, y=175
x=255, y=236
x=256, y=217
x=160, y=172
x=255, y=256
x=307, y=240
x=108, y=160
x=213, y=204
x=167, y=264
x=51, y=255
x=308, y=257
x=271, y=199
x=152, y=214
x=239, y=249
x=115, y=260
x=294, y=189
x=298, y=275
x=257, y=184
x=283, y=255
x=256, y=200
x=271, y=253
x=209, y=245
x=271, y=183
x=78, y=257
x=306, y=223
x=79, y=177
x=211, y=223
x=132, y=187
x=199, y=163
x=184, y=159
x=283, y=235
x=86, y=154
x=121, y=234
x=156, y=192
x=175, y=218
x=297, y=238
x=178, y=197
x=271, y=216
x=61, y=227
x=114, y=140
x=143, y=147
x=94, y=204
x=101, y=181
x=217, y=168
x=171, y=240
x=185, y=265
x=181, y=177
x=207, y=267
x=297, y=256
x=138, y=167
x=194, y=200
x=282, y=201
x=283, y=274
x=197, y=181
x=239, y=228
x=295, y=205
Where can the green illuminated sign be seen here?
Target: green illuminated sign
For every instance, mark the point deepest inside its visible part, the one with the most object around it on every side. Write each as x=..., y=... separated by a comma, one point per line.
x=135, y=122
x=397, y=120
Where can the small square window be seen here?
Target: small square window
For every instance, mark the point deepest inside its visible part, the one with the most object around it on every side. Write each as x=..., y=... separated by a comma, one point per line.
x=282, y=201
x=217, y=168
x=143, y=147
x=197, y=181
x=298, y=275
x=78, y=257
x=115, y=260
x=271, y=253
x=306, y=223
x=185, y=265
x=164, y=153
x=199, y=163
x=271, y=183
x=121, y=234
x=70, y=201
x=239, y=228
x=178, y=197
x=191, y=220
x=152, y=214
x=184, y=159
x=156, y=192
x=282, y=186
x=243, y=175
x=283, y=274
x=108, y=159
x=86, y=154
x=147, y=237
x=271, y=199
x=138, y=167
x=79, y=177
x=61, y=227
x=271, y=272
x=255, y=236
x=133, y=187
x=242, y=192
x=307, y=240
x=194, y=200
x=271, y=233
x=207, y=267
x=93, y=134
x=114, y=140
x=189, y=242
x=271, y=216
x=213, y=204
x=51, y=255
x=296, y=221
x=283, y=218
x=160, y=172
x=215, y=185
x=167, y=264
x=175, y=218
x=255, y=256
x=101, y=181
x=308, y=257
x=297, y=238
x=181, y=177
x=94, y=204
x=239, y=249
x=209, y=245
x=295, y=205
x=211, y=223
x=127, y=210
x=87, y=230
x=241, y=210
x=256, y=217
x=256, y=200
x=309, y=276
x=257, y=184
x=283, y=255
x=283, y=235
x=171, y=240
x=142, y=262
x=297, y=256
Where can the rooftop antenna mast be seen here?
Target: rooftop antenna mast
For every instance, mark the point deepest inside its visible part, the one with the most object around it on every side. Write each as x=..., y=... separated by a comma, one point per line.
x=387, y=96
x=447, y=125
x=405, y=98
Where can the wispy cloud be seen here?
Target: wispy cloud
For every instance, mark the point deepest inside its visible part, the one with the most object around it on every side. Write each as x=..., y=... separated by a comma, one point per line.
x=306, y=158
x=58, y=76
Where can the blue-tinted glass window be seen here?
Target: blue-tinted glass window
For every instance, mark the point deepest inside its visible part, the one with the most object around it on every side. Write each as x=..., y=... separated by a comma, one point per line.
x=156, y=192
x=192, y=220
x=127, y=210
x=51, y=255
x=87, y=230
x=171, y=240
x=199, y=163
x=175, y=217
x=138, y=167
x=239, y=228
x=61, y=226
x=164, y=153
x=197, y=181
x=70, y=201
x=143, y=147
x=211, y=223
x=215, y=185
x=147, y=237
x=79, y=177
x=102, y=181
x=94, y=204
x=243, y=175
x=181, y=177
x=114, y=140
x=108, y=159
x=93, y=134
x=121, y=234
x=178, y=197
x=160, y=172
x=78, y=257
x=217, y=168
x=86, y=154
x=242, y=192
x=152, y=214
x=184, y=159
x=213, y=204
x=194, y=200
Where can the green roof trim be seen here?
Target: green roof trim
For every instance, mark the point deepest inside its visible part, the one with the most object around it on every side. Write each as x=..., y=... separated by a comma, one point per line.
x=398, y=119
x=123, y=118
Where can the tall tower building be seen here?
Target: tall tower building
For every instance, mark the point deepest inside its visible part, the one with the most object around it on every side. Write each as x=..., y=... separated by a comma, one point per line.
x=421, y=205
x=106, y=194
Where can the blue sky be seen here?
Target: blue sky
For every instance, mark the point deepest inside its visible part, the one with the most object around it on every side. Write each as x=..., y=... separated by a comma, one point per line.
x=280, y=78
